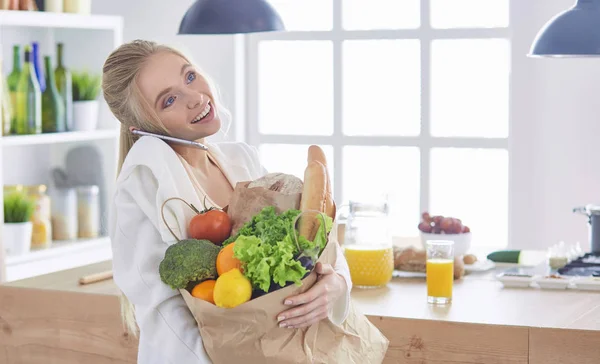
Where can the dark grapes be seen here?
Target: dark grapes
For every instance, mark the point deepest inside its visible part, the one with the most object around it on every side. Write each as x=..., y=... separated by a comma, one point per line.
x=442, y=225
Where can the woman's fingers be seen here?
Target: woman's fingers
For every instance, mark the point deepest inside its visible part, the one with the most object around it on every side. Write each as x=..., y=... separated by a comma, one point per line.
x=315, y=291
x=324, y=269
x=311, y=294
x=303, y=309
x=318, y=313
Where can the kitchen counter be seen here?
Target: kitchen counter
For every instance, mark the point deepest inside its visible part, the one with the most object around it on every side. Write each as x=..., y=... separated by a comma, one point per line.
x=52, y=318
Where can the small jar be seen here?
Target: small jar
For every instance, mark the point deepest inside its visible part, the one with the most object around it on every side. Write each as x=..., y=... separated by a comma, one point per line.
x=8, y=189
x=55, y=6
x=88, y=212
x=64, y=214
x=78, y=6
x=42, y=225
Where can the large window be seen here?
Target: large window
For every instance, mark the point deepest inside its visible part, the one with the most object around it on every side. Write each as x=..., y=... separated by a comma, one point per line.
x=409, y=99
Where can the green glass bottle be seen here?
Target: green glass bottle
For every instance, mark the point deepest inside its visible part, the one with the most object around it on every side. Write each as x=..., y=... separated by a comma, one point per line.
x=64, y=85
x=29, y=99
x=53, y=108
x=13, y=82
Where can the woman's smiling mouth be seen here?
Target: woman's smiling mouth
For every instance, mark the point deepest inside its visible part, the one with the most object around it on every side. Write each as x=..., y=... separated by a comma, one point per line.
x=206, y=114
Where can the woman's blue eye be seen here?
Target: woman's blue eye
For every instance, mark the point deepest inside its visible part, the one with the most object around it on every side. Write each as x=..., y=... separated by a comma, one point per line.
x=191, y=76
x=169, y=101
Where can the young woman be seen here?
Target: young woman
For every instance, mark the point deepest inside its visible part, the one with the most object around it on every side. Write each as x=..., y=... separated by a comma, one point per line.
x=155, y=88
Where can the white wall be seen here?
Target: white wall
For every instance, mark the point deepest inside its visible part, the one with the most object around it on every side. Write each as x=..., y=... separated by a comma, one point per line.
x=556, y=129
x=214, y=54
x=554, y=122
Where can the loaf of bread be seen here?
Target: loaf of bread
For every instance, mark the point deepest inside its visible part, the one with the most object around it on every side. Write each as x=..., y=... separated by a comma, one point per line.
x=315, y=153
x=413, y=260
x=313, y=199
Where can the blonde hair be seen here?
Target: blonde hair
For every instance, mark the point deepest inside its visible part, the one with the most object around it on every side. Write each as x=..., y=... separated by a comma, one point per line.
x=124, y=98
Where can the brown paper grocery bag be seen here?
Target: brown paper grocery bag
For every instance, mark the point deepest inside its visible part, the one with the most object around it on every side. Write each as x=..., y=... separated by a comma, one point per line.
x=247, y=202
x=249, y=333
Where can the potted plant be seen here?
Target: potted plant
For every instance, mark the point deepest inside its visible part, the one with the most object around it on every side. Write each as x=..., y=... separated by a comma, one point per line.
x=86, y=88
x=18, y=228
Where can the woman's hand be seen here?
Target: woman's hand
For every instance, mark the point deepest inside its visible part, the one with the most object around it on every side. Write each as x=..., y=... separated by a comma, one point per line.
x=314, y=304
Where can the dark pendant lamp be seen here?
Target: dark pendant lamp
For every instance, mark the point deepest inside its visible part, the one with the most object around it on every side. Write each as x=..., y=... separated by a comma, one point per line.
x=572, y=33
x=230, y=17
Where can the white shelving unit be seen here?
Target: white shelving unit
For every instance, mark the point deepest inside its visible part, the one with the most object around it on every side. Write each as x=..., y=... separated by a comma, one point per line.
x=75, y=136
x=28, y=159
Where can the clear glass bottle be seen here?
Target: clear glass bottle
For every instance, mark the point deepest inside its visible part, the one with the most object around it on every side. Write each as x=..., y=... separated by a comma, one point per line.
x=368, y=244
x=64, y=214
x=88, y=212
x=42, y=225
x=29, y=100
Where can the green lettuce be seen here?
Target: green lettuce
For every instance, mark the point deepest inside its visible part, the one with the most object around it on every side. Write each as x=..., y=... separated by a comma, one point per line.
x=268, y=247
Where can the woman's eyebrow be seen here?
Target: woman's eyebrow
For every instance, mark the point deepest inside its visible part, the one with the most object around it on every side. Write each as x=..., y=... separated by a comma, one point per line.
x=168, y=89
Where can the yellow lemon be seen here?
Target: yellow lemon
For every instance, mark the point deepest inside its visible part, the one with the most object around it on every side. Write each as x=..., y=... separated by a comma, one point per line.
x=232, y=289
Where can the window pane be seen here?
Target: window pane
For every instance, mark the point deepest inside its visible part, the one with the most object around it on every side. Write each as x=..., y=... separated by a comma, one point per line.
x=382, y=87
x=472, y=185
x=295, y=87
x=291, y=159
x=380, y=14
x=305, y=14
x=469, y=88
x=371, y=172
x=469, y=13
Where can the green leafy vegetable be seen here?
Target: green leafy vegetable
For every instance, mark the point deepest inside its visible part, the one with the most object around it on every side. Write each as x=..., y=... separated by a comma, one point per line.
x=267, y=248
x=18, y=208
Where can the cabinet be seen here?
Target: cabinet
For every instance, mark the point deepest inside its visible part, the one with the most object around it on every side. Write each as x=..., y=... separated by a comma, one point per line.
x=30, y=159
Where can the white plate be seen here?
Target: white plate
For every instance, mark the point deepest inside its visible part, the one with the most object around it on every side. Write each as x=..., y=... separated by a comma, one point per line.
x=553, y=283
x=515, y=282
x=588, y=284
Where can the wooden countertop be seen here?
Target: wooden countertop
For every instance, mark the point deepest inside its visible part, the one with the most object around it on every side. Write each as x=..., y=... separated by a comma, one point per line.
x=478, y=299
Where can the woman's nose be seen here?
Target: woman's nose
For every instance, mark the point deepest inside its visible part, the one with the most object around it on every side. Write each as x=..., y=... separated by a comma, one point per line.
x=194, y=100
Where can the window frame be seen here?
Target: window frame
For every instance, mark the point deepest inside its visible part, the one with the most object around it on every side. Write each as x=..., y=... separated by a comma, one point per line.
x=425, y=142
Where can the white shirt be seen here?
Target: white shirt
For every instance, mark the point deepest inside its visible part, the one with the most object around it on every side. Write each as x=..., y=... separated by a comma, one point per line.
x=152, y=173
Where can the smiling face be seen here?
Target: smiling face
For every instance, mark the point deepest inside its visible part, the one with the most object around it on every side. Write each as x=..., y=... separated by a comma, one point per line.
x=180, y=96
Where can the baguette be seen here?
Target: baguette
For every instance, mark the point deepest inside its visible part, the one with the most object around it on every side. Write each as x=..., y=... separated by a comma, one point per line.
x=313, y=198
x=315, y=153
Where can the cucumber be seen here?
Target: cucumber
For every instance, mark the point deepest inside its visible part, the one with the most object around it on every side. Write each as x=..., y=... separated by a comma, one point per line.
x=505, y=256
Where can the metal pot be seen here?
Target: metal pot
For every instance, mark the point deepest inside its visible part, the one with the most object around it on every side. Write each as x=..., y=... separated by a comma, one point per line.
x=593, y=214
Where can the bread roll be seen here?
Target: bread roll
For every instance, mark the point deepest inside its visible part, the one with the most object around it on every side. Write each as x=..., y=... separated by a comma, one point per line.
x=315, y=153
x=313, y=198
x=413, y=260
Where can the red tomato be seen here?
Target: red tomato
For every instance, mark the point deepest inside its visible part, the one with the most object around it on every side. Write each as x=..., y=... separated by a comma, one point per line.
x=213, y=225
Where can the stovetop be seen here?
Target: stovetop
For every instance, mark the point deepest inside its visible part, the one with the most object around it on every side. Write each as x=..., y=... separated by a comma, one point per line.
x=588, y=265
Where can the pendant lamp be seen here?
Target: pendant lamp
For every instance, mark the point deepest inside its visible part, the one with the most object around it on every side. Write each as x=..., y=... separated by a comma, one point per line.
x=230, y=17
x=572, y=33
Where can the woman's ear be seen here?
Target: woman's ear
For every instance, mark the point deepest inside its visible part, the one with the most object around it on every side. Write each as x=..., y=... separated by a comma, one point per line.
x=131, y=129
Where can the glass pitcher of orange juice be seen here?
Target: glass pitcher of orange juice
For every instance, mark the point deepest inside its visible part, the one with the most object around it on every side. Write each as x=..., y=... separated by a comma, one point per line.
x=368, y=245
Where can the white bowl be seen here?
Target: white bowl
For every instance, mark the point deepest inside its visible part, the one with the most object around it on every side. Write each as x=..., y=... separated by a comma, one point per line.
x=553, y=283
x=515, y=281
x=462, y=242
x=588, y=283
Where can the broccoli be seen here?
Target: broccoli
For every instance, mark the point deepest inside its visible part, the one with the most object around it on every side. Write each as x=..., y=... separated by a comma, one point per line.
x=188, y=261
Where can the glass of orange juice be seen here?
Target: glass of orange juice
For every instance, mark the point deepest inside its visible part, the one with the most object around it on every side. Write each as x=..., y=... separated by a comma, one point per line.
x=368, y=245
x=440, y=271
